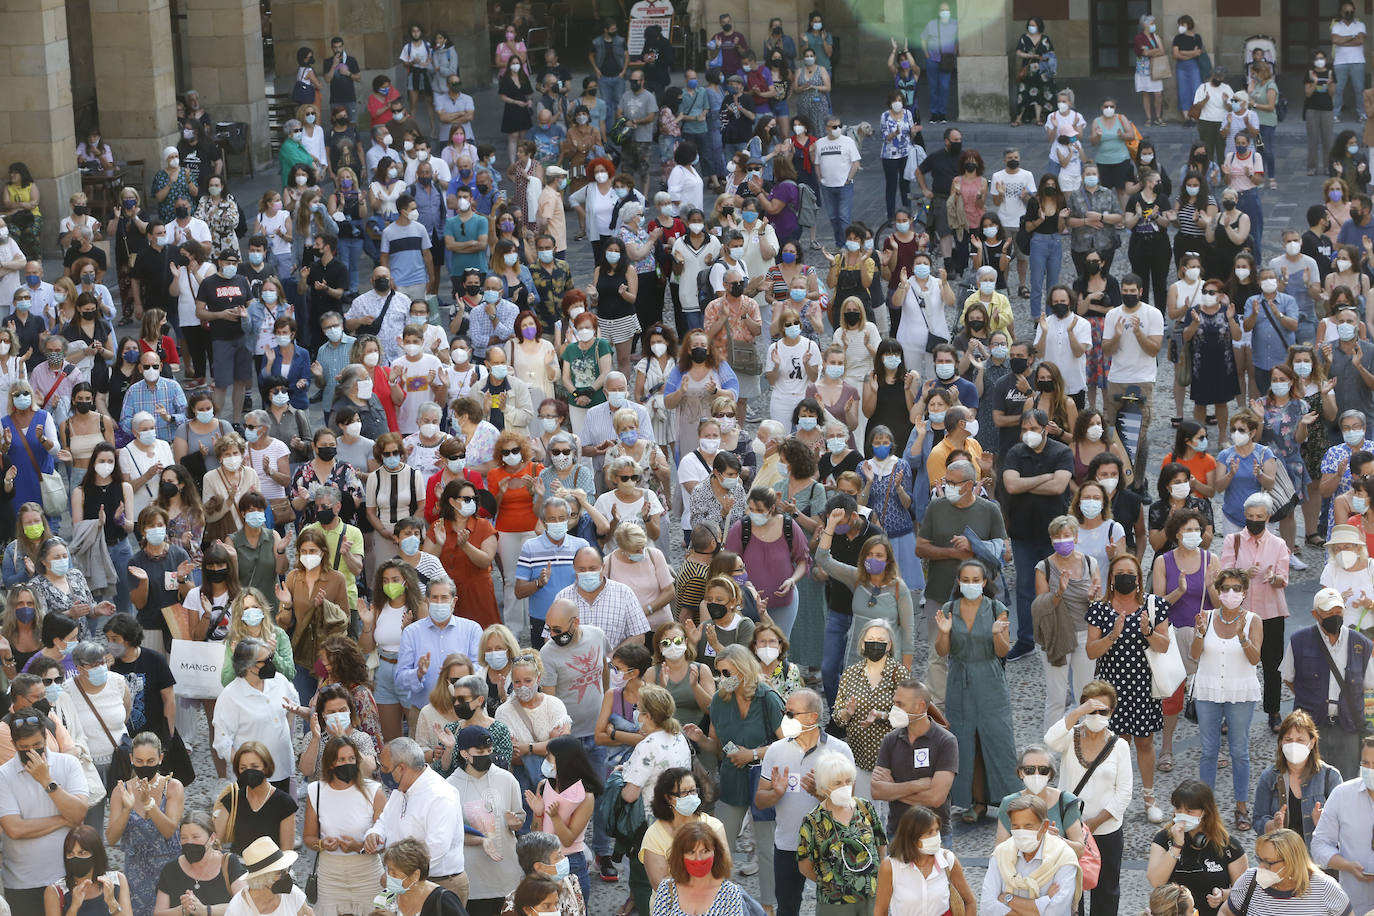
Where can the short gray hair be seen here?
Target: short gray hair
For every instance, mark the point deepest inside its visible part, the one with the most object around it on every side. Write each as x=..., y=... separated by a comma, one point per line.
x=1039, y=749
x=963, y=467
x=1260, y=499
x=432, y=407
x=615, y=375
x=441, y=579
x=629, y=210
x=883, y=625
x=476, y=683
x=88, y=652
x=246, y=655
x=1346, y=414
x=407, y=753
x=556, y=502
x=257, y=416
x=291, y=126
x=620, y=463
x=774, y=429
x=561, y=437
x=329, y=492
x=830, y=770
x=813, y=700
x=535, y=848
x=142, y=417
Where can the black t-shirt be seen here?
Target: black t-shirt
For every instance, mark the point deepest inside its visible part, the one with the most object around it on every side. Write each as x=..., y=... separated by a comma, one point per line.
x=1126, y=506
x=1202, y=870
x=829, y=471
x=1111, y=295
x=1320, y=99
x=341, y=86
x=153, y=269
x=1188, y=42
x=174, y=882
x=838, y=596
x=218, y=294
x=1148, y=211
x=1029, y=514
x=148, y=675
x=442, y=902
x=941, y=166
x=29, y=336
x=159, y=596
x=736, y=128
x=265, y=822
x=1318, y=247
x=1009, y=399
x=255, y=276
x=335, y=276
x=96, y=254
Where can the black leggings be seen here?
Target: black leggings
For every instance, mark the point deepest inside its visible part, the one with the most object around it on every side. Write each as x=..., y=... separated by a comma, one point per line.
x=1271, y=654
x=196, y=341
x=1106, y=897
x=892, y=171
x=1149, y=255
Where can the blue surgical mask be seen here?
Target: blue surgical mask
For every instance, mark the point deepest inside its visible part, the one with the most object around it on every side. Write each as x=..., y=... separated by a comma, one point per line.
x=691, y=84
x=562, y=869
x=395, y=886
x=98, y=675
x=545, y=256
x=410, y=544
x=902, y=226
x=391, y=462
x=548, y=769
x=230, y=271
x=490, y=296
x=53, y=693
x=499, y=372
x=589, y=581
x=146, y=436
x=440, y=612
x=882, y=452
x=834, y=370
x=971, y=590
x=806, y=423
x=253, y=616
x=281, y=399
x=255, y=258
x=629, y=437
x=796, y=294
x=852, y=245
x=255, y=519
x=23, y=401
x=892, y=362
x=497, y=659
x=635, y=558
x=920, y=271
x=758, y=519
x=556, y=530
x=155, y=536
x=204, y=416
x=1000, y=352
x=749, y=216
x=789, y=257
x=936, y=416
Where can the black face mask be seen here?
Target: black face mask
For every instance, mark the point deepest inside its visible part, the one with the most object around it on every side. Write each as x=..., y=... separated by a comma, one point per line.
x=283, y=884
x=84, y=406
x=1044, y=384
x=976, y=324
x=636, y=85
x=473, y=291
x=1013, y=164
x=1060, y=309
x=698, y=354
x=955, y=147
x=1124, y=583
x=182, y=212
x=1255, y=526
x=563, y=638
x=481, y=764
x=77, y=867
x=88, y=316
x=145, y=772
x=217, y=575
x=717, y=611
x=1093, y=268
x=874, y=650
x=970, y=167
x=42, y=707
x=269, y=670
x=1216, y=81
x=251, y=779
x=346, y=772
x=1130, y=300
x=168, y=489
x=1333, y=624
x=382, y=285
x=852, y=318
x=325, y=516
x=1019, y=364
x=193, y=852
x=327, y=452
x=463, y=710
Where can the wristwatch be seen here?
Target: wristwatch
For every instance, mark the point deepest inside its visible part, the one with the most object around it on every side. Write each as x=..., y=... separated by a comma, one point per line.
x=51, y=787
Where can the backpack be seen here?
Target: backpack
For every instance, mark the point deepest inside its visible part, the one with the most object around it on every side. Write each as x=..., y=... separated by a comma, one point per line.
x=746, y=531
x=808, y=208
x=704, y=291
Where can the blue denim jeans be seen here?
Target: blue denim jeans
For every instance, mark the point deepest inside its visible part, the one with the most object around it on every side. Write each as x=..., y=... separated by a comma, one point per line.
x=1352, y=75
x=715, y=152
x=1237, y=718
x=601, y=840
x=351, y=250
x=839, y=203
x=837, y=628
x=612, y=88
x=1046, y=254
x=1025, y=554
x=1271, y=151
x=938, y=81
x=784, y=615
x=577, y=864
x=120, y=554
x=1189, y=78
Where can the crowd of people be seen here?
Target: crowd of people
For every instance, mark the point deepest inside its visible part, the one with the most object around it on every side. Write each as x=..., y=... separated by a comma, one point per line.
x=733, y=536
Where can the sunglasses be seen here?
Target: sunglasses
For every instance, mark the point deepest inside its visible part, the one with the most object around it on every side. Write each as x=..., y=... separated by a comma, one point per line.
x=1043, y=769
x=391, y=454
x=49, y=681
x=560, y=451
x=672, y=641
x=510, y=451
x=632, y=478
x=26, y=720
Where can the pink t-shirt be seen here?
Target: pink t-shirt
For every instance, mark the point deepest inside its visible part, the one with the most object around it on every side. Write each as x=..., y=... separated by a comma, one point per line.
x=568, y=800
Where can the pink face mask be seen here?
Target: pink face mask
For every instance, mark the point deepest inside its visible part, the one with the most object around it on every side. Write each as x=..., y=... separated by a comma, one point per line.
x=276, y=206
x=459, y=139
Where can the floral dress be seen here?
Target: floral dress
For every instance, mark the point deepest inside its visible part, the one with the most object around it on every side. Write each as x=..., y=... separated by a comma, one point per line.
x=188, y=531
x=785, y=678
x=811, y=103
x=1037, y=86
x=146, y=851
x=845, y=856
x=223, y=220
x=1137, y=713
x=1317, y=441
x=1214, y=358
x=342, y=476
x=1284, y=422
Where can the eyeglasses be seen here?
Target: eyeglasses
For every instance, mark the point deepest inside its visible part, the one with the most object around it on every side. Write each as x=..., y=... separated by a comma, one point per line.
x=1043, y=769
x=672, y=641
x=391, y=454
x=510, y=451
x=49, y=681
x=632, y=478
x=560, y=451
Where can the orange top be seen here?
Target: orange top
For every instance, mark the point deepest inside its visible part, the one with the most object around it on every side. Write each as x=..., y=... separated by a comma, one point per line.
x=516, y=509
x=1200, y=465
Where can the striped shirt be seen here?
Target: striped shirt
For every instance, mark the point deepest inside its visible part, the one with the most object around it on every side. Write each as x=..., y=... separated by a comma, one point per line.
x=540, y=552
x=1324, y=897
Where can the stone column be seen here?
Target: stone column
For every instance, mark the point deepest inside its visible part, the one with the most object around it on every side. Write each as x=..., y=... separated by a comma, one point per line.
x=984, y=79
x=135, y=77
x=225, y=56
x=36, y=108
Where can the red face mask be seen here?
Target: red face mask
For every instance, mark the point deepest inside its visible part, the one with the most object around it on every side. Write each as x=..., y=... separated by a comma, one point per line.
x=699, y=868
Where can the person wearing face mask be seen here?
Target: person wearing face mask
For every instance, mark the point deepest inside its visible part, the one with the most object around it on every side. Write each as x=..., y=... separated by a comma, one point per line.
x=328, y=505
x=1035, y=767
x=1244, y=468
x=1065, y=584
x=842, y=869
x=173, y=182
x=159, y=801
x=864, y=702
x=1210, y=103
x=1034, y=59
x=1299, y=781
x=103, y=706
x=838, y=161
x=497, y=866
x=1192, y=856
x=249, y=619
x=1244, y=171
x=412, y=268
x=1351, y=366
x=467, y=544
x=427, y=642
x=348, y=877
x=1349, y=571
x=159, y=575
x=1038, y=863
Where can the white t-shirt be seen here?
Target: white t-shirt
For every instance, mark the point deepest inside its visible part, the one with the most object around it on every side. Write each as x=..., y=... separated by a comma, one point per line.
x=793, y=360
x=417, y=390
x=1012, y=207
x=1347, y=55
x=691, y=470
x=1130, y=364
x=1217, y=99
x=186, y=294
x=647, y=506
x=685, y=186
x=658, y=752
x=1353, y=586
x=271, y=223
x=1057, y=349
x=835, y=157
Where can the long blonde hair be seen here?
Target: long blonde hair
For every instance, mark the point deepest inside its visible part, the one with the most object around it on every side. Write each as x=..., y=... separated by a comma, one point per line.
x=747, y=666
x=237, y=628
x=1298, y=865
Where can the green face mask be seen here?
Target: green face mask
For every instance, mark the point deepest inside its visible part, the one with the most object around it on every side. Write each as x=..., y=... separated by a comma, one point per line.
x=394, y=589
x=33, y=532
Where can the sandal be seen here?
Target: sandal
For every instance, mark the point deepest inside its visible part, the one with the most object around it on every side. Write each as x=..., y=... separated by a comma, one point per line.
x=1242, y=818
x=1315, y=540
x=973, y=813
x=1023, y=292
x=1016, y=123
x=1166, y=762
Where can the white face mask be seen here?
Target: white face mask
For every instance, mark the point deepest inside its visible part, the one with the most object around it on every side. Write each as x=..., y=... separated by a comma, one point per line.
x=104, y=468
x=1266, y=878
x=1296, y=753
x=310, y=560
x=842, y=797
x=1269, y=285
x=1192, y=273
x=232, y=463
x=1180, y=490
x=354, y=429
x=1026, y=841
x=1095, y=432
x=767, y=654
x=1095, y=722
x=1033, y=438
x=1293, y=248
x=1035, y=783
x=1240, y=437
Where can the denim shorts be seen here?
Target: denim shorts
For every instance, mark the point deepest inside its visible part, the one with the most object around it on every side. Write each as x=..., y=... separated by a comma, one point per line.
x=385, y=689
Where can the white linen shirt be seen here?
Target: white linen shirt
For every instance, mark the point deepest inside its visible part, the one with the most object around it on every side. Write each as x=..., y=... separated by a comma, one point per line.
x=244, y=713
x=430, y=810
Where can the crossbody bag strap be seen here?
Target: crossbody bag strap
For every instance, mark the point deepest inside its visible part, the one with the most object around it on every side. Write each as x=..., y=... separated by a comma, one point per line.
x=1092, y=767
x=113, y=743
x=1343, y=698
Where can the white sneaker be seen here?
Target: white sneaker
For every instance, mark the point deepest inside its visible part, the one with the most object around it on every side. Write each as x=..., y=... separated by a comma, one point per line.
x=1295, y=562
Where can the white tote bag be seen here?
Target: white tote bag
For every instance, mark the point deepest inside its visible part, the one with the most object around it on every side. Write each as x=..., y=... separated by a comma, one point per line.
x=1166, y=668
x=196, y=667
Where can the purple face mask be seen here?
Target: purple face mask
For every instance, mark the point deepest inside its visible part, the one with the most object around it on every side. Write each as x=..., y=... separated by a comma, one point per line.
x=529, y=332
x=1064, y=547
x=842, y=529
x=875, y=565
